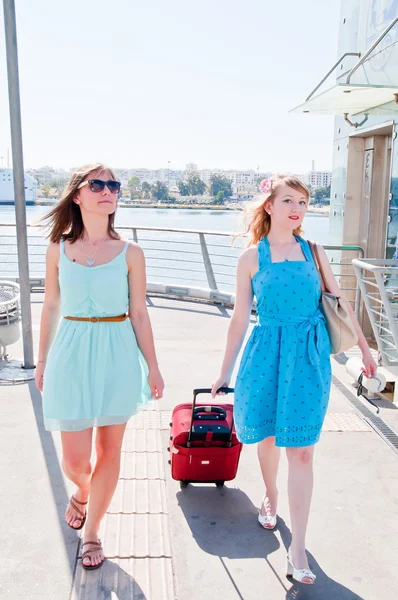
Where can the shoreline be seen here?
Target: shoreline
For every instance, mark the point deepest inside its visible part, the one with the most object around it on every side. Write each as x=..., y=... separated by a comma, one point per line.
x=215, y=207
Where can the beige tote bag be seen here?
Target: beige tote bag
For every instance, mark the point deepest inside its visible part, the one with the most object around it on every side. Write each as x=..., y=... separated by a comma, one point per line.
x=342, y=333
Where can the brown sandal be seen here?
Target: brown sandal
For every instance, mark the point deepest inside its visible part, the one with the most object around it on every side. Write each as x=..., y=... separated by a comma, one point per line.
x=82, y=518
x=87, y=552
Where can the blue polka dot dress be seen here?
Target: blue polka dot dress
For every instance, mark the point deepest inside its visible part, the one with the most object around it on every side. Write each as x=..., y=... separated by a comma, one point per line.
x=283, y=383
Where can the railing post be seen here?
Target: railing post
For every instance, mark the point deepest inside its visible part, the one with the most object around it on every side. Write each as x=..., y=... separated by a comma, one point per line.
x=382, y=318
x=207, y=262
x=358, y=299
x=357, y=308
x=135, y=236
x=387, y=308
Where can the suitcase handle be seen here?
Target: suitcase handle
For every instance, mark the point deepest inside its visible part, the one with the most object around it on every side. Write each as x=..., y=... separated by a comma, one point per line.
x=226, y=390
x=196, y=392
x=219, y=415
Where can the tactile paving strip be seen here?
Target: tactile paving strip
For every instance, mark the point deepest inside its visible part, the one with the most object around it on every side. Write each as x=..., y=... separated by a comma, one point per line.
x=135, y=536
x=333, y=422
x=344, y=422
x=142, y=465
x=146, y=419
x=135, y=529
x=126, y=578
x=139, y=496
x=142, y=440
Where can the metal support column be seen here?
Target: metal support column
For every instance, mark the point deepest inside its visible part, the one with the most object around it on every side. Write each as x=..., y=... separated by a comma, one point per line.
x=19, y=178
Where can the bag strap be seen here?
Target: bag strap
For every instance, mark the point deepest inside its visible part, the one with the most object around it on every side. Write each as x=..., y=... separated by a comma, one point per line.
x=318, y=264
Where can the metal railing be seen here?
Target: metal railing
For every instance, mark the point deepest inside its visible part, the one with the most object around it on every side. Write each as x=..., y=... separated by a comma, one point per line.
x=362, y=59
x=369, y=51
x=180, y=262
x=378, y=282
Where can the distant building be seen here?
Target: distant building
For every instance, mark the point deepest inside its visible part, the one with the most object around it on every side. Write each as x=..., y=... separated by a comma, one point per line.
x=43, y=175
x=206, y=174
x=148, y=175
x=242, y=181
x=191, y=167
x=173, y=178
x=242, y=196
x=317, y=179
x=151, y=176
x=7, y=188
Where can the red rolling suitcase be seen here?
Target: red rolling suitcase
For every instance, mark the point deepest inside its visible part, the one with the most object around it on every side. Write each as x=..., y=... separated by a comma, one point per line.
x=203, y=443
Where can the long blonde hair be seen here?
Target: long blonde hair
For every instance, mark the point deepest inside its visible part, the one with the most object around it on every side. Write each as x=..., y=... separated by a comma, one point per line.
x=257, y=220
x=65, y=219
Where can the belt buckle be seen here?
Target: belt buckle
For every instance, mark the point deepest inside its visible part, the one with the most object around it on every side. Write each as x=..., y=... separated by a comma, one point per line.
x=94, y=319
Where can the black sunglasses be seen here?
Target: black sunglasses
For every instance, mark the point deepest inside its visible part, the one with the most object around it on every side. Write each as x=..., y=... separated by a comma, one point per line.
x=97, y=185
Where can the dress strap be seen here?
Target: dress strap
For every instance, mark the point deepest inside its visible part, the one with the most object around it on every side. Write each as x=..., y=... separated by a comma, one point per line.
x=306, y=249
x=264, y=254
x=62, y=246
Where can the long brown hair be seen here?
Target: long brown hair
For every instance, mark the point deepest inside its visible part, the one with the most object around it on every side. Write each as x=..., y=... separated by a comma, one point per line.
x=65, y=219
x=257, y=220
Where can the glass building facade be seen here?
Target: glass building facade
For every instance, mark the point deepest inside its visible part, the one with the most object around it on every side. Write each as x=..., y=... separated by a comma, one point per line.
x=362, y=22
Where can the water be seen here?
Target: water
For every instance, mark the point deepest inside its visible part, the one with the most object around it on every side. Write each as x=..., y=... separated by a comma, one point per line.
x=316, y=226
x=172, y=258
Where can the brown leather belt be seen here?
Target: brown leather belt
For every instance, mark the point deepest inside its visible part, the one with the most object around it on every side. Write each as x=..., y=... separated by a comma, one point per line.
x=117, y=319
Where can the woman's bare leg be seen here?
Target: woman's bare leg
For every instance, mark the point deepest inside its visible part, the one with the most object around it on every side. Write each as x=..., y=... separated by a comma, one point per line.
x=269, y=455
x=76, y=449
x=300, y=484
x=104, y=479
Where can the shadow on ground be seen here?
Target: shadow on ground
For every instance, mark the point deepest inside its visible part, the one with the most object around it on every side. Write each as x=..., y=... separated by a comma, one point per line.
x=111, y=581
x=192, y=306
x=55, y=476
x=223, y=523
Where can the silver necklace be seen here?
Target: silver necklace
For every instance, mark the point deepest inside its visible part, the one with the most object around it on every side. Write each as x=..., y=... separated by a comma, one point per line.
x=90, y=259
x=285, y=258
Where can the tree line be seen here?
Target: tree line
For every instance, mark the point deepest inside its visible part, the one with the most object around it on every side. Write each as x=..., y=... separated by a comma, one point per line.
x=319, y=193
x=55, y=188
x=220, y=188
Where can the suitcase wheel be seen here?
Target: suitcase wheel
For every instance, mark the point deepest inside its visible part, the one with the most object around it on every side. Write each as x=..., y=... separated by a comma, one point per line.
x=170, y=424
x=183, y=484
x=220, y=483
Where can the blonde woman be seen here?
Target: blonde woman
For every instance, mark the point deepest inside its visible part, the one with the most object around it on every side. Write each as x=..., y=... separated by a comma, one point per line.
x=283, y=384
x=101, y=367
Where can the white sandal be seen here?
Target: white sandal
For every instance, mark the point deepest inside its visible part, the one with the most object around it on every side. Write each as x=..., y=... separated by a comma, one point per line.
x=298, y=574
x=266, y=521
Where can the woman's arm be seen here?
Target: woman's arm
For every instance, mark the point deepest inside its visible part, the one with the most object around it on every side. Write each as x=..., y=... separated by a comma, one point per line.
x=367, y=359
x=240, y=318
x=140, y=318
x=50, y=312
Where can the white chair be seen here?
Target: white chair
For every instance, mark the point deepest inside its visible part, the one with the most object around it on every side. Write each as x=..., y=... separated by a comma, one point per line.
x=10, y=315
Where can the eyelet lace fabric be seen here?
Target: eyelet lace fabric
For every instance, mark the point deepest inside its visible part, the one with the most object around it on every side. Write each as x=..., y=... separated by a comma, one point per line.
x=283, y=383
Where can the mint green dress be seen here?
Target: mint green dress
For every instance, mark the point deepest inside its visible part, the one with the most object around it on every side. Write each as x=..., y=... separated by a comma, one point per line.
x=95, y=373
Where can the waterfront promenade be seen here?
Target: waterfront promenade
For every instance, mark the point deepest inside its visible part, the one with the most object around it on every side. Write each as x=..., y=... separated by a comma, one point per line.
x=201, y=542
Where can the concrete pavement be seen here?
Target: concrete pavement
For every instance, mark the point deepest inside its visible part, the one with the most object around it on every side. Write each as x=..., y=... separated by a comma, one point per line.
x=200, y=542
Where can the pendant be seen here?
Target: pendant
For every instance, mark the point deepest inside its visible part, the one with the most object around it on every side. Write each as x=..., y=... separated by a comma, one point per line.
x=90, y=262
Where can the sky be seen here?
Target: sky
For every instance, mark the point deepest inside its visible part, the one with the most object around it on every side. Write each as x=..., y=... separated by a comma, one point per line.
x=156, y=84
